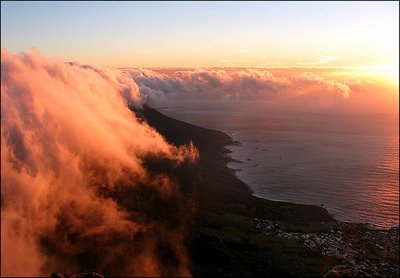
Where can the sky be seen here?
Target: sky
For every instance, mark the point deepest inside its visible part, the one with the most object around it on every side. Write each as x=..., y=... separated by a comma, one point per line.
x=207, y=34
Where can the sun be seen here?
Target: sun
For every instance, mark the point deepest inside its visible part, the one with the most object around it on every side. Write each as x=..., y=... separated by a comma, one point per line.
x=392, y=70
x=388, y=72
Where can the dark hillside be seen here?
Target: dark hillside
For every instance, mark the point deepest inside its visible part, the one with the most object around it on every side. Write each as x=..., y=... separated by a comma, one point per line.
x=223, y=240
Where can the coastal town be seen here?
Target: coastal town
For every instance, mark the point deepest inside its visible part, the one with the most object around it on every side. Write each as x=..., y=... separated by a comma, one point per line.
x=363, y=249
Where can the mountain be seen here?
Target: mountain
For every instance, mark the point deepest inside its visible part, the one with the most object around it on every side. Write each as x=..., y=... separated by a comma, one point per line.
x=223, y=239
x=229, y=232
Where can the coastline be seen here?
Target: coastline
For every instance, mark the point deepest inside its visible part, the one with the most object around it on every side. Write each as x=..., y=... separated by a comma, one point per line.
x=299, y=161
x=235, y=233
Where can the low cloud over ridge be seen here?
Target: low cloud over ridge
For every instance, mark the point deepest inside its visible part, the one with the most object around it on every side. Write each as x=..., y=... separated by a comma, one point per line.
x=71, y=149
x=238, y=85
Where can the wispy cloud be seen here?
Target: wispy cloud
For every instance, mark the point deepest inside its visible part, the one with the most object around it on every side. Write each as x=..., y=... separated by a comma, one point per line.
x=322, y=60
x=69, y=144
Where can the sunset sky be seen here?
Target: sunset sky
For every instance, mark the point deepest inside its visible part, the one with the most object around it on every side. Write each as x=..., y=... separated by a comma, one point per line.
x=136, y=135
x=204, y=34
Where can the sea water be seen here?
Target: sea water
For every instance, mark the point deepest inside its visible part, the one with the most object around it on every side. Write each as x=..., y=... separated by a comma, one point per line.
x=347, y=163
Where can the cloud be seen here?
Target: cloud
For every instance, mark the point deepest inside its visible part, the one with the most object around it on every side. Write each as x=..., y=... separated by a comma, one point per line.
x=78, y=191
x=322, y=60
x=240, y=85
x=154, y=97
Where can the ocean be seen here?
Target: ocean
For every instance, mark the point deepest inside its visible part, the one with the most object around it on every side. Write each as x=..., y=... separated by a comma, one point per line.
x=348, y=164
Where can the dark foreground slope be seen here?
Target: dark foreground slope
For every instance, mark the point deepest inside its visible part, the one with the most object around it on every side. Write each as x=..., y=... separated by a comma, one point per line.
x=220, y=189
x=223, y=239
x=234, y=233
x=229, y=232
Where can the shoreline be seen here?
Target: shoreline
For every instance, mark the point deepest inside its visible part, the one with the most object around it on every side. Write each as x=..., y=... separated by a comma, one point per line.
x=330, y=211
x=370, y=225
x=222, y=150
x=235, y=233
x=310, y=165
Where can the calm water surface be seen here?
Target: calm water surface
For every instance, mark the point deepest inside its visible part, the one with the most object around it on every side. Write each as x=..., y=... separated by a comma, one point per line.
x=348, y=164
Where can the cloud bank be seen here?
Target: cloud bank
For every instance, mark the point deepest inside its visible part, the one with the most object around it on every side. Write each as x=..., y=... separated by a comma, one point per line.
x=280, y=90
x=234, y=86
x=77, y=192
